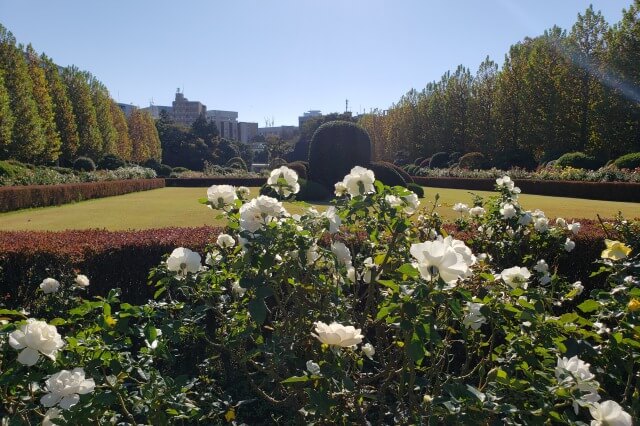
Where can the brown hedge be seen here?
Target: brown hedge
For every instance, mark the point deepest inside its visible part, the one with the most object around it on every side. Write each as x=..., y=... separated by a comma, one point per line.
x=203, y=182
x=608, y=191
x=24, y=197
x=123, y=259
x=110, y=259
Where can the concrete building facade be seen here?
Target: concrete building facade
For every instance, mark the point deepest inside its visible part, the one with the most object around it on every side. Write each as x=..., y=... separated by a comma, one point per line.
x=186, y=111
x=307, y=116
x=127, y=109
x=283, y=132
x=155, y=110
x=226, y=122
x=247, y=131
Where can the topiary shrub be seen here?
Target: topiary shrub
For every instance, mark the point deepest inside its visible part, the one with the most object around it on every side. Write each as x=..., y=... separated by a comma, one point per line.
x=419, y=161
x=237, y=163
x=578, y=160
x=425, y=163
x=180, y=169
x=164, y=170
x=84, y=164
x=417, y=189
x=110, y=162
x=628, y=161
x=454, y=157
x=406, y=176
x=151, y=163
x=387, y=174
x=473, y=161
x=336, y=147
x=299, y=168
x=439, y=160
x=277, y=162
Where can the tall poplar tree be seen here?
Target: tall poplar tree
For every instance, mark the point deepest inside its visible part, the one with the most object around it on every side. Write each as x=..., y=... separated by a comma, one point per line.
x=43, y=100
x=28, y=140
x=6, y=118
x=137, y=133
x=102, y=104
x=152, y=139
x=80, y=96
x=63, y=111
x=123, y=143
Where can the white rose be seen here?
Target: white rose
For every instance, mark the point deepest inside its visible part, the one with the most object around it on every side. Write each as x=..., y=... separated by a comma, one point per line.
x=51, y=414
x=476, y=211
x=243, y=192
x=609, y=413
x=342, y=253
x=569, y=245
x=335, y=334
x=35, y=338
x=578, y=287
x=516, y=276
x=237, y=290
x=474, y=319
x=64, y=388
x=541, y=266
x=359, y=181
x=313, y=368
x=312, y=255
x=411, y=203
x=460, y=208
x=340, y=189
x=49, y=285
x=368, y=350
x=525, y=219
x=439, y=258
x=561, y=222
x=225, y=241
x=82, y=281
x=334, y=220
x=182, y=260
x=541, y=224
x=508, y=211
x=260, y=211
x=284, y=180
x=221, y=195
x=574, y=227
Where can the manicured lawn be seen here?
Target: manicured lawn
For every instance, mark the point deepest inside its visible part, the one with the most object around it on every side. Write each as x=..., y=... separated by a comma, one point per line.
x=168, y=207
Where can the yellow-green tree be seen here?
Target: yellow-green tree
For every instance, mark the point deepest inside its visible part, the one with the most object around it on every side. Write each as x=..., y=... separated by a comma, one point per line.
x=123, y=143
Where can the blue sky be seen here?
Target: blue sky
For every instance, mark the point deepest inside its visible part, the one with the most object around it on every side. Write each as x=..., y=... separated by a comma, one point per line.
x=279, y=58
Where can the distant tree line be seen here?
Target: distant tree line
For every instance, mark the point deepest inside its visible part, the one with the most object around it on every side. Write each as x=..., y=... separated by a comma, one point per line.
x=556, y=93
x=192, y=147
x=52, y=115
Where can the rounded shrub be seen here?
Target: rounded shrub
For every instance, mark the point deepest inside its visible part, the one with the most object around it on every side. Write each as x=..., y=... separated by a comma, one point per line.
x=628, y=161
x=386, y=174
x=277, y=162
x=425, y=163
x=237, y=163
x=180, y=169
x=419, y=161
x=336, y=147
x=110, y=162
x=578, y=160
x=151, y=163
x=406, y=176
x=309, y=191
x=299, y=167
x=473, y=161
x=417, y=189
x=439, y=160
x=164, y=170
x=454, y=157
x=84, y=164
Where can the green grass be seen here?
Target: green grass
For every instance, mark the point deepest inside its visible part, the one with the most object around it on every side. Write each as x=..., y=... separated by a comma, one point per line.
x=169, y=207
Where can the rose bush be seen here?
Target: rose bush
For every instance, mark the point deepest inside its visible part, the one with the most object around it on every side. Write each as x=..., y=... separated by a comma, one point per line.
x=291, y=321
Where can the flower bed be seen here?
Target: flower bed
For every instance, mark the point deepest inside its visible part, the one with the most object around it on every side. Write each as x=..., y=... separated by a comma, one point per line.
x=357, y=315
x=608, y=191
x=30, y=196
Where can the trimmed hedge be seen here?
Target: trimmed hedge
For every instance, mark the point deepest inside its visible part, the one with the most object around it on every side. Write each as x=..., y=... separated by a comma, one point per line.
x=578, y=160
x=607, y=191
x=110, y=259
x=387, y=174
x=84, y=164
x=24, y=197
x=300, y=167
x=439, y=160
x=473, y=161
x=123, y=259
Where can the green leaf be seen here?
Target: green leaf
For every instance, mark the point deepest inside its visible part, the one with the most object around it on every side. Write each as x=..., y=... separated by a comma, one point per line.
x=390, y=284
x=203, y=200
x=409, y=270
x=258, y=310
x=159, y=292
x=296, y=379
x=386, y=310
x=589, y=306
x=415, y=351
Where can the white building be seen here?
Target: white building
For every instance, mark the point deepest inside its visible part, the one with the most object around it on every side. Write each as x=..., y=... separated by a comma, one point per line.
x=247, y=131
x=226, y=122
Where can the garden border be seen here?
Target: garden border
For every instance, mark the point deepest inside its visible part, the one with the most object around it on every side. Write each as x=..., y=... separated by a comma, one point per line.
x=208, y=181
x=607, y=191
x=31, y=196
